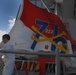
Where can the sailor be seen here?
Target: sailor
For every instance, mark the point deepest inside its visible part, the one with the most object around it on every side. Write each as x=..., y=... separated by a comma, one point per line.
x=9, y=59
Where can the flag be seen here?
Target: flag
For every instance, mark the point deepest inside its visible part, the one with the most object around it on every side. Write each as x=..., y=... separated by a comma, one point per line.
x=36, y=29
x=44, y=21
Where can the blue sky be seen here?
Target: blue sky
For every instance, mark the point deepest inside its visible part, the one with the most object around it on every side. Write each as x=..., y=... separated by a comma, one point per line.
x=8, y=12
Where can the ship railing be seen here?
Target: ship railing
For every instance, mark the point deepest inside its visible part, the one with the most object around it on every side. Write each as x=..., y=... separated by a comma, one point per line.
x=56, y=54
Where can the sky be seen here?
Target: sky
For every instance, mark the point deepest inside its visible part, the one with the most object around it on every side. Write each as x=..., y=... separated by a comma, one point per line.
x=8, y=12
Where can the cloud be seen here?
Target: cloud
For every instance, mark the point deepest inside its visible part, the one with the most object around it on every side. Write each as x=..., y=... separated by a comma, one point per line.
x=11, y=23
x=2, y=33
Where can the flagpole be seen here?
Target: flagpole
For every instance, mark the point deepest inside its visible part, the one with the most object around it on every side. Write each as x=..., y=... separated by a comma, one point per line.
x=45, y=6
x=18, y=12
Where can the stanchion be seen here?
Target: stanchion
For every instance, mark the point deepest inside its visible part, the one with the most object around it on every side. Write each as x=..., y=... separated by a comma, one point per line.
x=57, y=67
